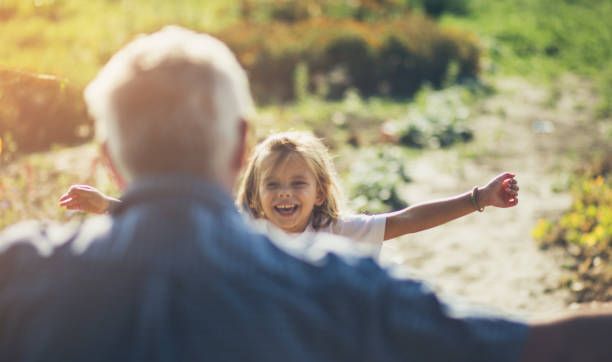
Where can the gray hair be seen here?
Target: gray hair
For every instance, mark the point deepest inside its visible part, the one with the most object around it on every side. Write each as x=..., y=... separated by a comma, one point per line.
x=170, y=101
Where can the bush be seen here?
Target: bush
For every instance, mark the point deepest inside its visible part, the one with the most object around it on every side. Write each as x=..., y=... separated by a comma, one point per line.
x=436, y=8
x=392, y=58
x=585, y=232
x=374, y=178
x=37, y=111
x=292, y=11
x=436, y=119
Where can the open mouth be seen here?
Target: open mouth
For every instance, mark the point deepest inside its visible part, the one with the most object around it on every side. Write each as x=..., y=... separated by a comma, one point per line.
x=286, y=210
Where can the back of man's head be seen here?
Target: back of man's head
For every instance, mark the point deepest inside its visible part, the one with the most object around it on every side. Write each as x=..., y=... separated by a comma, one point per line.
x=170, y=102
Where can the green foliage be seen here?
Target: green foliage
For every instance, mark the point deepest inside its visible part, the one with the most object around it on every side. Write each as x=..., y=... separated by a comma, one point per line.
x=545, y=38
x=32, y=185
x=363, y=10
x=435, y=119
x=391, y=58
x=352, y=120
x=74, y=38
x=585, y=231
x=373, y=180
x=293, y=11
x=436, y=8
x=589, y=221
x=567, y=35
x=37, y=111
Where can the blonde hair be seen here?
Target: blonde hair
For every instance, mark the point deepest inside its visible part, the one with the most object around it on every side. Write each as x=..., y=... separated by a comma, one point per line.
x=170, y=101
x=316, y=156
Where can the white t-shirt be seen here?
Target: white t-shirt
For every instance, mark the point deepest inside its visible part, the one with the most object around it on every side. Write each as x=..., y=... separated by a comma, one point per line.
x=366, y=230
x=361, y=228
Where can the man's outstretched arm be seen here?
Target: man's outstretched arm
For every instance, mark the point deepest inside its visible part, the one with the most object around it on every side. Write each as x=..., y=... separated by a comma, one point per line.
x=585, y=336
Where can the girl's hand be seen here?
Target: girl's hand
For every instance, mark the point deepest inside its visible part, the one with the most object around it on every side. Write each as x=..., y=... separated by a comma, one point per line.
x=501, y=191
x=86, y=198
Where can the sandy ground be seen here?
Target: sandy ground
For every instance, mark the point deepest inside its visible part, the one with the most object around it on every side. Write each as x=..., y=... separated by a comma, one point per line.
x=490, y=258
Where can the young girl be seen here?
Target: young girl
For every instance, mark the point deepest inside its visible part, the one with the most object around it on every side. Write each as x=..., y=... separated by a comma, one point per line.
x=291, y=182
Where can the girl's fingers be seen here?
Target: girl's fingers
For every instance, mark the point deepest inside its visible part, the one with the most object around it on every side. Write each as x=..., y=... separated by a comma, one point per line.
x=70, y=205
x=72, y=192
x=68, y=198
x=68, y=194
x=512, y=201
x=507, y=189
x=511, y=186
x=77, y=188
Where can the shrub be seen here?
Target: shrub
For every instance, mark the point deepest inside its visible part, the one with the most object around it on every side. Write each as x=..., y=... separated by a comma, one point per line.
x=436, y=8
x=436, y=119
x=374, y=178
x=392, y=58
x=585, y=232
x=37, y=111
x=293, y=11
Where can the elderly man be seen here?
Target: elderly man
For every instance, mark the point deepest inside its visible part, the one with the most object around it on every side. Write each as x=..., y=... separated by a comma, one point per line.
x=174, y=274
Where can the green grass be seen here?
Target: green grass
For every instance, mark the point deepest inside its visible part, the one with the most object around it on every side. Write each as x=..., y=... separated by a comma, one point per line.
x=74, y=38
x=543, y=37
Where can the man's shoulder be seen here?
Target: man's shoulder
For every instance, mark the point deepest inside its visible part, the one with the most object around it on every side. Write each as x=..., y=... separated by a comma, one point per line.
x=40, y=239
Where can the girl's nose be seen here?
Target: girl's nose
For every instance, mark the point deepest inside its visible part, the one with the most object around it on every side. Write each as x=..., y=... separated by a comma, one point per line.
x=284, y=192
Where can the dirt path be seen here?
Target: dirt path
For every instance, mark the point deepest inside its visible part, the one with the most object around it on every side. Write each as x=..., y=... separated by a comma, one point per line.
x=490, y=257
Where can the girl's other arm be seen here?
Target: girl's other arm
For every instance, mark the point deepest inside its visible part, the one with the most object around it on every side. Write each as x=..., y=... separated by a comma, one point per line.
x=87, y=198
x=501, y=191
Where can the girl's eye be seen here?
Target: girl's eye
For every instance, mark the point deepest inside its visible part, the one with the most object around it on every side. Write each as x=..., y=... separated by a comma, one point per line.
x=272, y=185
x=299, y=184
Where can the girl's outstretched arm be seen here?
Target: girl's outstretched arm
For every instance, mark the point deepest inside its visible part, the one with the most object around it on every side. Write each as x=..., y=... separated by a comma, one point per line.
x=501, y=191
x=87, y=198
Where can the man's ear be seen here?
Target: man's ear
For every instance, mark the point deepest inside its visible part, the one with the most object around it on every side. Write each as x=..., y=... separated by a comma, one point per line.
x=241, y=147
x=239, y=158
x=108, y=161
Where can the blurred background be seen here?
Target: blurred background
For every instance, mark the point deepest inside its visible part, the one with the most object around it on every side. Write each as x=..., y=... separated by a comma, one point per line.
x=415, y=98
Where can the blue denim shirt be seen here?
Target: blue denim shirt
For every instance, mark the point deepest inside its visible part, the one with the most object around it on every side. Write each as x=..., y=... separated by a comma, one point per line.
x=174, y=274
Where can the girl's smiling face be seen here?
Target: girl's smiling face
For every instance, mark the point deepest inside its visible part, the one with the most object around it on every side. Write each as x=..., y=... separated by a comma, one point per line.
x=288, y=192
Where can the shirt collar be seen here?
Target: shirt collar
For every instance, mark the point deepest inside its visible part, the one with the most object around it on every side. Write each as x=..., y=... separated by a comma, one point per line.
x=174, y=186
